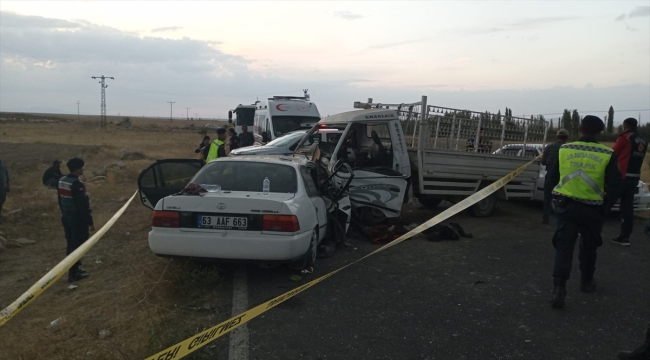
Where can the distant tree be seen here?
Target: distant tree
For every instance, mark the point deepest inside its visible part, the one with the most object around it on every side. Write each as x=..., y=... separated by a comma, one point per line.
x=566, y=120
x=575, y=123
x=610, y=120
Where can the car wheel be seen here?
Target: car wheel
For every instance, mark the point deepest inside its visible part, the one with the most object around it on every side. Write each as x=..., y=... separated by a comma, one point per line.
x=309, y=258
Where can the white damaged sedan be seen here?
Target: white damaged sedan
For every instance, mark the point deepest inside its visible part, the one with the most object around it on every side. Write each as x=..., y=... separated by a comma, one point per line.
x=223, y=214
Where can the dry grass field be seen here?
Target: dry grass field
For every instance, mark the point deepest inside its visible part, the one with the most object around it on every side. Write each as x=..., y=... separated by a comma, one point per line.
x=147, y=303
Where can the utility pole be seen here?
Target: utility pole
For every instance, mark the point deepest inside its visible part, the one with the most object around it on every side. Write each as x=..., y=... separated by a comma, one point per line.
x=104, y=86
x=77, y=110
x=187, y=113
x=171, y=106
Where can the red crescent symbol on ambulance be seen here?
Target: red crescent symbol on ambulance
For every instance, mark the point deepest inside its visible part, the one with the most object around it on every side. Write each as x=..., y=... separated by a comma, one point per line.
x=279, y=107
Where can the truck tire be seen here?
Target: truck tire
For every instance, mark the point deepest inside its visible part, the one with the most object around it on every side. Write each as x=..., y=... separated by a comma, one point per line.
x=429, y=202
x=370, y=216
x=485, y=207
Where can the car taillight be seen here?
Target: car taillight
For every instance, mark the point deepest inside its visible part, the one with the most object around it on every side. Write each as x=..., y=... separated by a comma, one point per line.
x=284, y=223
x=170, y=219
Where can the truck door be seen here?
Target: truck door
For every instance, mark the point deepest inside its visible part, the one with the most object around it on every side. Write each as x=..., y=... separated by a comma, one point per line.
x=398, y=148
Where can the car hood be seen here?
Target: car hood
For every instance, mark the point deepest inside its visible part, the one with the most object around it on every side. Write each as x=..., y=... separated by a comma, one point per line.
x=257, y=150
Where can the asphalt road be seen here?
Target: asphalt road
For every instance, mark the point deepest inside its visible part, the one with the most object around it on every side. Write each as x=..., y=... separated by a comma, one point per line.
x=481, y=298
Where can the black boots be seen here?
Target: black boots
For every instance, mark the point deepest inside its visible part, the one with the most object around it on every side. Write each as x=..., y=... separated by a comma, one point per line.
x=77, y=275
x=642, y=353
x=587, y=284
x=559, y=293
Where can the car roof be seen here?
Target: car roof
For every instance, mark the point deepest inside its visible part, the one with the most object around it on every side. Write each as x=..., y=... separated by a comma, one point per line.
x=277, y=159
x=360, y=116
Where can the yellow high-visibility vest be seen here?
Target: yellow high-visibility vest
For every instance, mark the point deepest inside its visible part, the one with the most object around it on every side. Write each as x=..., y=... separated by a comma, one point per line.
x=214, y=150
x=582, y=171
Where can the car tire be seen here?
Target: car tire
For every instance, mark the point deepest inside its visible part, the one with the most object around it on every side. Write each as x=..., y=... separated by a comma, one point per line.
x=429, y=202
x=485, y=207
x=309, y=258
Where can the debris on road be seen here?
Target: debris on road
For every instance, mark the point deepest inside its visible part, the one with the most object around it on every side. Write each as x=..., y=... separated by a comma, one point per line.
x=130, y=154
x=72, y=287
x=56, y=323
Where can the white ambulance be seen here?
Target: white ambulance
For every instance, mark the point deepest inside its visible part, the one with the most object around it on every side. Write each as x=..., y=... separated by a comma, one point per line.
x=281, y=115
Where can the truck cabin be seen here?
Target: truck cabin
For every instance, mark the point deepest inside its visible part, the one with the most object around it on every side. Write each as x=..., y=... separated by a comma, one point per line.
x=244, y=116
x=368, y=139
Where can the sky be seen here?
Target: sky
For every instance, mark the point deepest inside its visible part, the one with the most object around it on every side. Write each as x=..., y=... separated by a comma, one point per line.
x=535, y=57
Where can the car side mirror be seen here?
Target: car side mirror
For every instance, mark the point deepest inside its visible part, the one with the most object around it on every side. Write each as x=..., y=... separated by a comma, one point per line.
x=229, y=116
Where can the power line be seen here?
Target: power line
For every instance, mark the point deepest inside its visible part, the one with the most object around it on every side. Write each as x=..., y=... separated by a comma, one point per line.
x=595, y=111
x=103, y=106
x=171, y=105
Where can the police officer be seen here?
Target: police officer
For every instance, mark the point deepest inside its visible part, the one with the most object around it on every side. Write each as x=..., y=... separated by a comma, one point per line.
x=549, y=158
x=585, y=173
x=77, y=219
x=630, y=149
x=217, y=148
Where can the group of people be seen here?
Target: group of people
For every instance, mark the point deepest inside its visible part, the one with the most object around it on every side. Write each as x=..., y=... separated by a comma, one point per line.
x=584, y=180
x=209, y=150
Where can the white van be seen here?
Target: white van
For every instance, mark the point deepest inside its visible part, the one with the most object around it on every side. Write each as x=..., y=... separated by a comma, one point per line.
x=280, y=115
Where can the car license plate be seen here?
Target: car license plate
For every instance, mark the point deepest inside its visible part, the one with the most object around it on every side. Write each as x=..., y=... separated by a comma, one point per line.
x=223, y=222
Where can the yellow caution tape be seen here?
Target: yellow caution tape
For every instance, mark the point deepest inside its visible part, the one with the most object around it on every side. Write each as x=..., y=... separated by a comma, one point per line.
x=53, y=275
x=201, y=339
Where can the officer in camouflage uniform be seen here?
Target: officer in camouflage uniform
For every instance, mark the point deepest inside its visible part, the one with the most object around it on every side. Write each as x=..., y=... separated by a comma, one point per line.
x=77, y=219
x=585, y=173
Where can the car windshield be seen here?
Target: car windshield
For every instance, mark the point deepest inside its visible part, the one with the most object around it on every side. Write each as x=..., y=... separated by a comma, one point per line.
x=286, y=139
x=248, y=176
x=287, y=124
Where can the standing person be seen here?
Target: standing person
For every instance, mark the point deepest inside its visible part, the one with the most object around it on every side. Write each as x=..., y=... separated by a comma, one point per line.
x=630, y=148
x=234, y=140
x=217, y=148
x=549, y=158
x=4, y=185
x=203, y=148
x=640, y=353
x=585, y=173
x=246, y=138
x=77, y=219
x=52, y=175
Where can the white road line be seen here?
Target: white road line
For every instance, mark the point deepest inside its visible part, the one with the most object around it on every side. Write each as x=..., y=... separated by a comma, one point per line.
x=238, y=349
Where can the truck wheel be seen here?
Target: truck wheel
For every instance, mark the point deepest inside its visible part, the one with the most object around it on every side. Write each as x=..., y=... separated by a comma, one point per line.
x=485, y=207
x=371, y=216
x=309, y=258
x=430, y=202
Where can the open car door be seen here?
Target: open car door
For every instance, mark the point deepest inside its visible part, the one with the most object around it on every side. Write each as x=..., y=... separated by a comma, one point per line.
x=164, y=178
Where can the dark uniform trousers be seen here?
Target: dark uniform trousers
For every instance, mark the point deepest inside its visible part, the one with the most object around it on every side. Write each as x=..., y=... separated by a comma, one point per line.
x=76, y=233
x=572, y=219
x=548, y=194
x=626, y=191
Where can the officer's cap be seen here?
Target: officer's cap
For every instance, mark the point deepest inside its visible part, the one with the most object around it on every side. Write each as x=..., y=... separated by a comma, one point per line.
x=56, y=162
x=75, y=163
x=221, y=131
x=592, y=125
x=562, y=132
